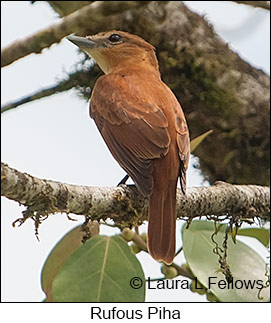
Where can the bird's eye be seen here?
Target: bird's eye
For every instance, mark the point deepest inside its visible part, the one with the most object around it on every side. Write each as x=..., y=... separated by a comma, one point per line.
x=114, y=38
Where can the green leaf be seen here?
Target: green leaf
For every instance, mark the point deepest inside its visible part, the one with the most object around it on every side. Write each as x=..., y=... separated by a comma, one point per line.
x=196, y=141
x=57, y=258
x=261, y=234
x=233, y=235
x=100, y=271
x=245, y=264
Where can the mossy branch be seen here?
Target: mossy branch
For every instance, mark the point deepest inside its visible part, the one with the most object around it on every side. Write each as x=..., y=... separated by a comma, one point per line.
x=125, y=206
x=64, y=8
x=217, y=89
x=256, y=4
x=91, y=15
x=35, y=96
x=81, y=79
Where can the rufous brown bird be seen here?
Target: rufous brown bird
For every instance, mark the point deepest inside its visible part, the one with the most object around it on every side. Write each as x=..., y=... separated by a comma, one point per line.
x=143, y=126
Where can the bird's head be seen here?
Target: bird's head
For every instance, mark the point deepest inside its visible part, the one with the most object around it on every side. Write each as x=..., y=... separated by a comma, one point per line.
x=113, y=50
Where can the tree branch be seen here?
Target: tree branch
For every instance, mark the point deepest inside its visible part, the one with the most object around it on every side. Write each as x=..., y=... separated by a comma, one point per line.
x=217, y=89
x=64, y=8
x=32, y=97
x=78, y=79
x=125, y=205
x=90, y=15
x=256, y=4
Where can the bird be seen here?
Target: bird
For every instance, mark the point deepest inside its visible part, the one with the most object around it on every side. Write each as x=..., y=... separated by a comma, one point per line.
x=143, y=125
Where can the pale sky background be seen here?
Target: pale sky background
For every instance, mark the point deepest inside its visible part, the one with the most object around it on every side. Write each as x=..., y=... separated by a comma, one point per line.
x=54, y=138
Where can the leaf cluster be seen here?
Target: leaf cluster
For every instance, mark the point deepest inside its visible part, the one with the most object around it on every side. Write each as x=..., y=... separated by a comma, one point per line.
x=106, y=269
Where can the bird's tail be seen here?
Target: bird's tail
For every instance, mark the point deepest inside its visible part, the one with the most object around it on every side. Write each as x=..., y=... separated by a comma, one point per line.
x=162, y=222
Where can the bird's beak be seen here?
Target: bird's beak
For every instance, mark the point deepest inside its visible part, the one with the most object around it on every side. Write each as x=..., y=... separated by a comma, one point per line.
x=93, y=48
x=82, y=42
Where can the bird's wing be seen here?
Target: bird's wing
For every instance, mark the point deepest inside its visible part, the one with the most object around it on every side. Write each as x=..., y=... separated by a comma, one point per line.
x=134, y=129
x=182, y=138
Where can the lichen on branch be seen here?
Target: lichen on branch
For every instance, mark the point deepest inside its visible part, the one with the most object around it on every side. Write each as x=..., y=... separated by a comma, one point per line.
x=90, y=15
x=125, y=205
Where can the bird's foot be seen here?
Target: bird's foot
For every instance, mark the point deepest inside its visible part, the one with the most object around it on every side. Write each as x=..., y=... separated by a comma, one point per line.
x=124, y=180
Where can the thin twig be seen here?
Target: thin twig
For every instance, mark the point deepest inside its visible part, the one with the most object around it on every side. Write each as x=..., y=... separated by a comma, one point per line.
x=32, y=97
x=179, y=251
x=79, y=78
